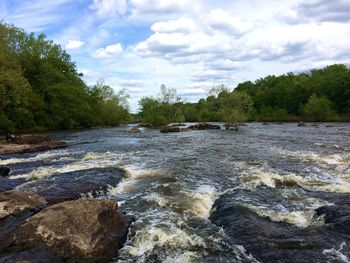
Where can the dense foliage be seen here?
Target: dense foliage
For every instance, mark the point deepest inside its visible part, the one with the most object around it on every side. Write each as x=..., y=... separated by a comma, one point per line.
x=40, y=88
x=318, y=95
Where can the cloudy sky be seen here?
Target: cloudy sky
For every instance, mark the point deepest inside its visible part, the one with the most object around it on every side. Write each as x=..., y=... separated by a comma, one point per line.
x=189, y=45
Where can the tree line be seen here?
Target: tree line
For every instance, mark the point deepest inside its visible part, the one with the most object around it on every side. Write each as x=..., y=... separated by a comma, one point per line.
x=41, y=89
x=316, y=95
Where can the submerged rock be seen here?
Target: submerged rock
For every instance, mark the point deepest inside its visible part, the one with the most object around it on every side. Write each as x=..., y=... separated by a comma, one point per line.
x=204, y=126
x=134, y=130
x=167, y=129
x=274, y=241
x=7, y=184
x=4, y=171
x=75, y=231
x=71, y=185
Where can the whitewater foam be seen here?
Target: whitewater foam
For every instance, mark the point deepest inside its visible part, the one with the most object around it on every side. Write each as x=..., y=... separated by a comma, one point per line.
x=313, y=182
x=336, y=255
x=90, y=160
x=301, y=218
x=38, y=157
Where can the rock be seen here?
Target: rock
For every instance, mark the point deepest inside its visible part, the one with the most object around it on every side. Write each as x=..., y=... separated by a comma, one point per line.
x=331, y=126
x=265, y=123
x=4, y=171
x=71, y=185
x=301, y=124
x=336, y=216
x=7, y=184
x=12, y=148
x=233, y=126
x=177, y=125
x=30, y=139
x=15, y=208
x=75, y=231
x=14, y=202
x=30, y=257
x=274, y=241
x=167, y=129
x=204, y=126
x=134, y=130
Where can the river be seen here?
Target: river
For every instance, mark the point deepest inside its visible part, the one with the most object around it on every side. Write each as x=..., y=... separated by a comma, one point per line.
x=216, y=195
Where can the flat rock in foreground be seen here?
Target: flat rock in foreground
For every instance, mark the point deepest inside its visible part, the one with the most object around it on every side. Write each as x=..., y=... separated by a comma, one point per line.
x=74, y=231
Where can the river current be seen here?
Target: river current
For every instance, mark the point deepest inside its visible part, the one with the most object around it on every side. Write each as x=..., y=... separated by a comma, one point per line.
x=183, y=189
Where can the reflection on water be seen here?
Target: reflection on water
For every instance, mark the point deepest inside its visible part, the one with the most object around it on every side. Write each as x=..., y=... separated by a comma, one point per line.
x=173, y=180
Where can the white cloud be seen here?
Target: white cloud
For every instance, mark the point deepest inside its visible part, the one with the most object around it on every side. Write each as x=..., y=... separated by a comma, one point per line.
x=74, y=44
x=223, y=21
x=160, y=7
x=184, y=25
x=109, y=51
x=109, y=7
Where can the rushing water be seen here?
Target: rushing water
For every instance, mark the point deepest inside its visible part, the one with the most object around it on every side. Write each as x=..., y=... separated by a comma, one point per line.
x=280, y=173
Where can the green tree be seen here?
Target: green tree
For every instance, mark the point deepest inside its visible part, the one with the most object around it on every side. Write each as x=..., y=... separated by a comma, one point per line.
x=318, y=109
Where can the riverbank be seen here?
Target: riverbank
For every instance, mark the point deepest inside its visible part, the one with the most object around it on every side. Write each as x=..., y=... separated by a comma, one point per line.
x=29, y=143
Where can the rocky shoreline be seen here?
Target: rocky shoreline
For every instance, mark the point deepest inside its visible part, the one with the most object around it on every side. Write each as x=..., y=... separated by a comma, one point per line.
x=29, y=143
x=49, y=221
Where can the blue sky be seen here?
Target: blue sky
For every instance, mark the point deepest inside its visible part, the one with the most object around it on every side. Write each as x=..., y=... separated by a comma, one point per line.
x=189, y=45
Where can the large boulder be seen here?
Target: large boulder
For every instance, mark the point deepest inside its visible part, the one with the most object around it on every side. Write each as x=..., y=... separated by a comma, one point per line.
x=4, y=171
x=204, y=126
x=71, y=185
x=75, y=231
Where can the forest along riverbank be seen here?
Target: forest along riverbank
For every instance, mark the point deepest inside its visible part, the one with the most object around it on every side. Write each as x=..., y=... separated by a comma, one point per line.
x=266, y=192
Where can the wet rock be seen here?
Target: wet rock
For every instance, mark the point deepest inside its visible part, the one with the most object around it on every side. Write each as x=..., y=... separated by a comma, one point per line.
x=177, y=125
x=12, y=148
x=7, y=184
x=71, y=185
x=167, y=129
x=271, y=241
x=331, y=126
x=30, y=139
x=232, y=127
x=15, y=208
x=75, y=231
x=265, y=123
x=134, y=130
x=15, y=202
x=4, y=171
x=204, y=126
x=301, y=124
x=337, y=217
x=30, y=257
